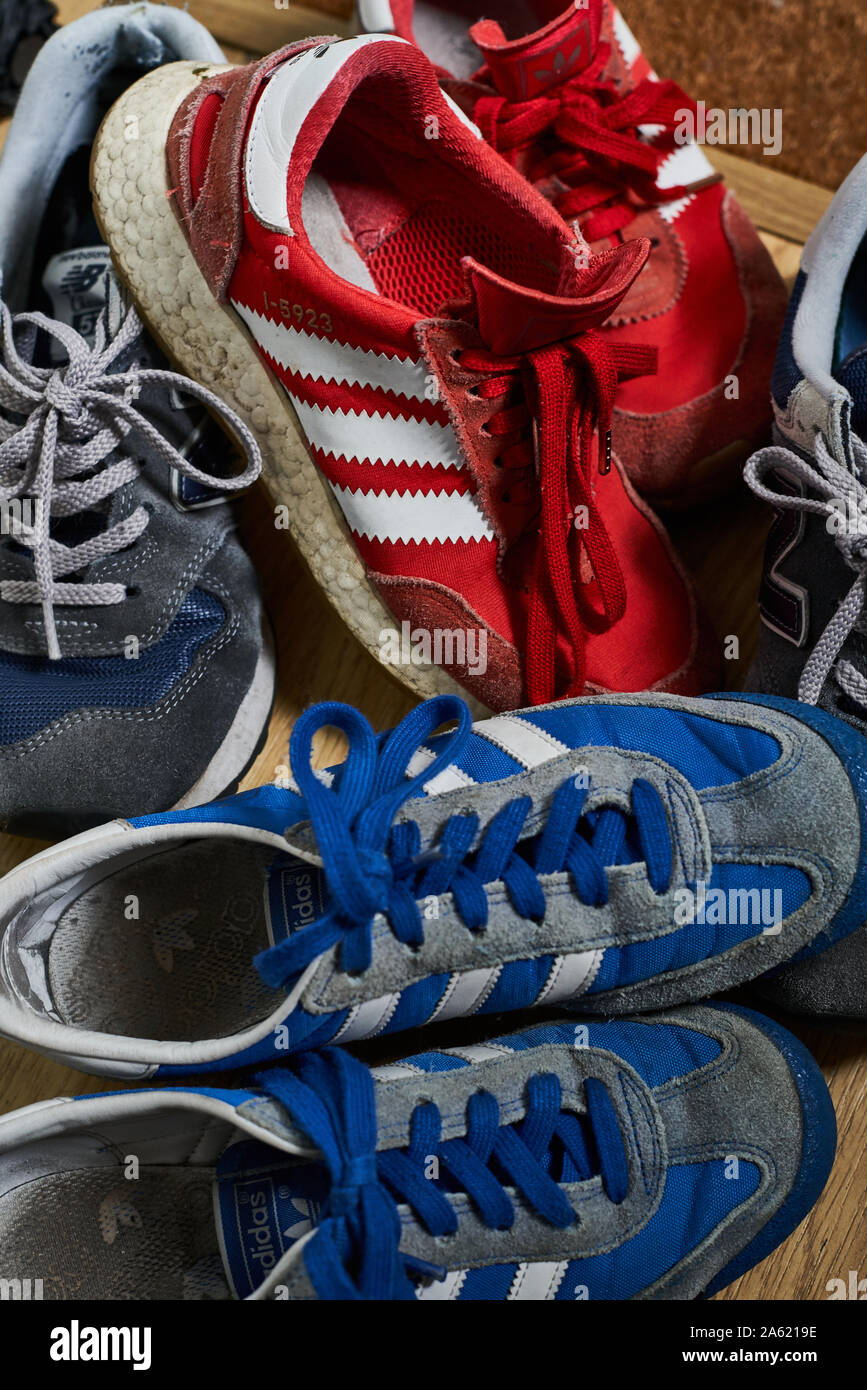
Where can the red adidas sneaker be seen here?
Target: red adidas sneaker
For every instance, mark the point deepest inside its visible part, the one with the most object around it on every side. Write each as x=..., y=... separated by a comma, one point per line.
x=412, y=333
x=577, y=108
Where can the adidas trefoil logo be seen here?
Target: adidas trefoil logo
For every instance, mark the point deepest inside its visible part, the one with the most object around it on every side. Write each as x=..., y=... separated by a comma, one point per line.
x=169, y=936
x=308, y=1214
x=117, y=1211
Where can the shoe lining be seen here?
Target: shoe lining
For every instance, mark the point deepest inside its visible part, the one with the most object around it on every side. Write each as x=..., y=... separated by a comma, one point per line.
x=182, y=969
x=89, y=1233
x=378, y=216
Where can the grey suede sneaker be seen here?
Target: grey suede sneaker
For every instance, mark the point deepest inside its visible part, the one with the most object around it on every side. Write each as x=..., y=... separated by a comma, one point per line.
x=134, y=668
x=814, y=623
x=657, y=1158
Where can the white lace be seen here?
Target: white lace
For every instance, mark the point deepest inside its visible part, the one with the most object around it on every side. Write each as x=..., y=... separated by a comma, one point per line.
x=837, y=487
x=65, y=422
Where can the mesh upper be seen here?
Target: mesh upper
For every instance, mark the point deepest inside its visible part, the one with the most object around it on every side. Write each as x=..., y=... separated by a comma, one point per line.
x=37, y=691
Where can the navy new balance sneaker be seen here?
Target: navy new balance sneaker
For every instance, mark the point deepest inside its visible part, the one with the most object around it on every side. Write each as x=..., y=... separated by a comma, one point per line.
x=133, y=663
x=608, y=854
x=814, y=626
x=656, y=1158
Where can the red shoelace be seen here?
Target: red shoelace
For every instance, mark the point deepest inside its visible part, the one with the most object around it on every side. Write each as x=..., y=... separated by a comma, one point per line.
x=572, y=384
x=600, y=156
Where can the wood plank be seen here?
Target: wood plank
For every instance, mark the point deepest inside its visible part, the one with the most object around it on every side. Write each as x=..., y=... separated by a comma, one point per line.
x=258, y=28
x=262, y=28
x=239, y=21
x=777, y=203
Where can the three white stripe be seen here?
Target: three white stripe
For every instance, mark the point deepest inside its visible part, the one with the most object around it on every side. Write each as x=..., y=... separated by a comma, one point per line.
x=396, y=517
x=407, y=517
x=351, y=434
x=467, y=990
x=303, y=354
x=537, y=1281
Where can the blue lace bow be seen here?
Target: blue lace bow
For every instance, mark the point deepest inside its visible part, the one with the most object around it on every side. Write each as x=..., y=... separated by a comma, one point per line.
x=355, y=1250
x=373, y=866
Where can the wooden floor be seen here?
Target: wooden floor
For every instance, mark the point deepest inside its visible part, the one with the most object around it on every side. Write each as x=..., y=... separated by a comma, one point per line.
x=317, y=660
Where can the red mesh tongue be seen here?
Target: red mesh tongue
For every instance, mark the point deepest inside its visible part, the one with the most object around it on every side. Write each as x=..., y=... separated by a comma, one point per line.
x=526, y=67
x=514, y=319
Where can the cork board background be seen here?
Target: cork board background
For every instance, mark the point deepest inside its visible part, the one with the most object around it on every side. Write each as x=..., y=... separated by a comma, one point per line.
x=807, y=57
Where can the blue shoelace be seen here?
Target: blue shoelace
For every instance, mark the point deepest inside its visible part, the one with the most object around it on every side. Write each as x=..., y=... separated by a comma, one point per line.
x=374, y=866
x=355, y=1250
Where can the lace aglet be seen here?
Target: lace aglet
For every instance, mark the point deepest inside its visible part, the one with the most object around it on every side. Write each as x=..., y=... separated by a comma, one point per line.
x=54, y=652
x=422, y=1272
x=605, y=455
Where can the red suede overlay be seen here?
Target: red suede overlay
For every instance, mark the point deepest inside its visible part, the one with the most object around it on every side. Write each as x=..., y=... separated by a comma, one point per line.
x=716, y=420
x=200, y=141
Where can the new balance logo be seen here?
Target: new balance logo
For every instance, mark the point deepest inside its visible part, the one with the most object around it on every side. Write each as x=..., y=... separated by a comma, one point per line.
x=78, y=279
x=783, y=603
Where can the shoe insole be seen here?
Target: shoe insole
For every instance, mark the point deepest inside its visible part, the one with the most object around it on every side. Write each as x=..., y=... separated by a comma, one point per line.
x=91, y=1233
x=164, y=947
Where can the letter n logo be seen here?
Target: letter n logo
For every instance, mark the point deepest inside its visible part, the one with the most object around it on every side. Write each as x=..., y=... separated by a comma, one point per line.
x=784, y=605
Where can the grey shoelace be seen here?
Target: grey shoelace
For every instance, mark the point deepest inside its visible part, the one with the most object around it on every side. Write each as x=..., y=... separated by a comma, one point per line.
x=839, y=491
x=69, y=420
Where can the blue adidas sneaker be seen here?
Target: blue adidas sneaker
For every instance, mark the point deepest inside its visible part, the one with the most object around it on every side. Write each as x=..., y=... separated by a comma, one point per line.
x=134, y=665
x=813, y=643
x=610, y=854
x=657, y=1158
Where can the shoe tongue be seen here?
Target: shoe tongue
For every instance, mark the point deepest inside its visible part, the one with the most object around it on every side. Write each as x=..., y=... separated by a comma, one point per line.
x=294, y=897
x=515, y=319
x=525, y=68
x=76, y=282
x=852, y=374
x=264, y=1202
